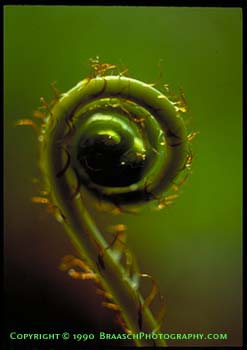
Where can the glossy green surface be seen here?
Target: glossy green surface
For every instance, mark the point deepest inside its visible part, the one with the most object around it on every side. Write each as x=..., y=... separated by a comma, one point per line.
x=193, y=247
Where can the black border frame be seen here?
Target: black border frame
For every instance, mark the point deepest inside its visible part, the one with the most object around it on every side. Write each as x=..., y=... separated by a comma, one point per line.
x=159, y=3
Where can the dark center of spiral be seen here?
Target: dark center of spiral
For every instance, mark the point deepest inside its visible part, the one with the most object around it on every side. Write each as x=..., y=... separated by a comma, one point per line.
x=111, y=157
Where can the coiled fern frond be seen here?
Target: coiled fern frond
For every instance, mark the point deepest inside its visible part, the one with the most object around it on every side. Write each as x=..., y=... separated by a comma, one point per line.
x=126, y=143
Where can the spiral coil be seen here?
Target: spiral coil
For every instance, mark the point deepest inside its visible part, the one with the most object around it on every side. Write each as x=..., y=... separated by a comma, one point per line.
x=123, y=139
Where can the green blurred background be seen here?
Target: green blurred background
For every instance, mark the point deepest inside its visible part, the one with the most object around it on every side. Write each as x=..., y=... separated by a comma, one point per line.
x=192, y=248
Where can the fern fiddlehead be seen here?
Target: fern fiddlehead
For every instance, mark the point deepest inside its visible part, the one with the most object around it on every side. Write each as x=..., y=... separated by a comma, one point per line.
x=125, y=142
